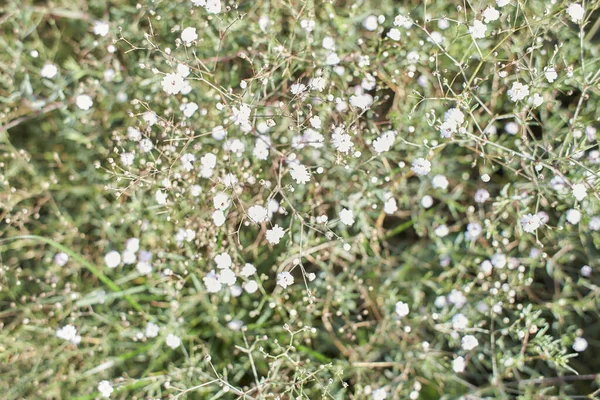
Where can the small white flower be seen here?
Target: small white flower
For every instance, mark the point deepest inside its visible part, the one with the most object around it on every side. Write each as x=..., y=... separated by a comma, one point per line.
x=213, y=6
x=499, y=260
x=105, y=388
x=421, y=166
x=227, y=277
x=151, y=330
x=401, y=20
x=394, y=34
x=478, y=29
x=481, y=196
x=127, y=159
x=580, y=344
x=49, y=71
x=315, y=122
x=248, y=270
x=442, y=231
x=518, y=91
x=384, y=142
x=536, y=100
x=427, y=201
x=297, y=88
x=530, y=222
x=146, y=145
x=458, y=365
x=173, y=341
x=275, y=234
x=469, y=342
x=474, y=229
x=173, y=83
x=347, y=217
x=251, y=287
x=402, y=309
x=439, y=182
x=318, y=83
x=161, y=197
x=84, y=102
x=370, y=23
x=223, y=260
x=257, y=214
x=573, y=216
x=390, y=206
x=112, y=259
x=299, y=173
x=362, y=101
x=211, y=282
x=61, y=259
x=100, y=28
x=579, y=191
x=586, y=271
x=218, y=217
x=576, y=12
x=69, y=333
x=133, y=134
x=459, y=322
x=221, y=201
x=502, y=3
x=188, y=35
x=379, y=394
x=490, y=14
x=285, y=279
x=550, y=74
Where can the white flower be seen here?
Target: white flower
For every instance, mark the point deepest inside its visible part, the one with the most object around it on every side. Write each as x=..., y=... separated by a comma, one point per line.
x=499, y=260
x=439, y=182
x=189, y=109
x=530, y=222
x=341, y=141
x=370, y=23
x=297, y=88
x=68, y=333
x=478, y=29
x=173, y=341
x=150, y=118
x=579, y=191
x=146, y=145
x=473, y=231
x=105, y=388
x=221, y=201
x=576, y=12
x=394, y=34
x=275, y=234
x=241, y=115
x=421, y=166
x=151, y=330
x=459, y=322
x=112, y=259
x=257, y=213
x=536, y=100
x=390, y=206
x=518, y=91
x=213, y=6
x=173, y=83
x=347, y=217
x=427, y=201
x=315, y=122
x=248, y=270
x=442, y=231
x=317, y=83
x=458, y=365
x=223, y=260
x=580, y=344
x=134, y=134
x=332, y=59
x=362, y=101
x=379, y=394
x=401, y=20
x=550, y=74
x=188, y=35
x=100, y=28
x=481, y=196
x=384, y=142
x=586, y=271
x=251, y=287
x=573, y=216
x=457, y=298
x=161, y=197
x=61, y=259
x=227, y=277
x=469, y=342
x=49, y=71
x=84, y=102
x=212, y=282
x=490, y=14
x=299, y=173
x=127, y=159
x=502, y=3
x=285, y=279
x=402, y=309
x=218, y=217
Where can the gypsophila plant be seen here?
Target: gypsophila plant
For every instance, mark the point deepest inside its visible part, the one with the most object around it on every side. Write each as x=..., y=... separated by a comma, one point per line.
x=299, y=199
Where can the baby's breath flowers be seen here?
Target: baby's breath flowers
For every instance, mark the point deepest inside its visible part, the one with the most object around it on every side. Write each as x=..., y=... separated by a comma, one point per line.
x=285, y=279
x=69, y=333
x=173, y=341
x=105, y=388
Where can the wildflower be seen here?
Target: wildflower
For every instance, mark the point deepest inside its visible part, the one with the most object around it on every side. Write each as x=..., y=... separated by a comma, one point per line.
x=275, y=234
x=370, y=23
x=69, y=333
x=401, y=20
x=481, y=196
x=84, y=102
x=518, y=91
x=576, y=12
x=221, y=201
x=530, y=222
x=248, y=270
x=473, y=231
x=457, y=298
x=580, y=344
x=49, y=71
x=490, y=14
x=442, y=231
x=394, y=34
x=285, y=279
x=223, y=260
x=257, y=214
x=469, y=342
x=315, y=122
x=579, y=191
x=218, y=217
x=573, y=216
x=146, y=145
x=218, y=133
x=478, y=29
x=384, y=142
x=347, y=217
x=212, y=282
x=227, y=277
x=127, y=159
x=536, y=100
x=550, y=74
x=439, y=182
x=317, y=83
x=459, y=322
x=299, y=173
x=133, y=134
x=586, y=271
x=112, y=259
x=499, y=260
x=241, y=115
x=297, y=88
x=379, y=394
x=188, y=35
x=151, y=330
x=502, y=3
x=173, y=341
x=458, y=365
x=172, y=83
x=251, y=287
x=213, y=6
x=100, y=28
x=402, y=309
x=421, y=166
x=362, y=101
x=161, y=197
x=390, y=206
x=61, y=259
x=105, y=388
x=427, y=201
